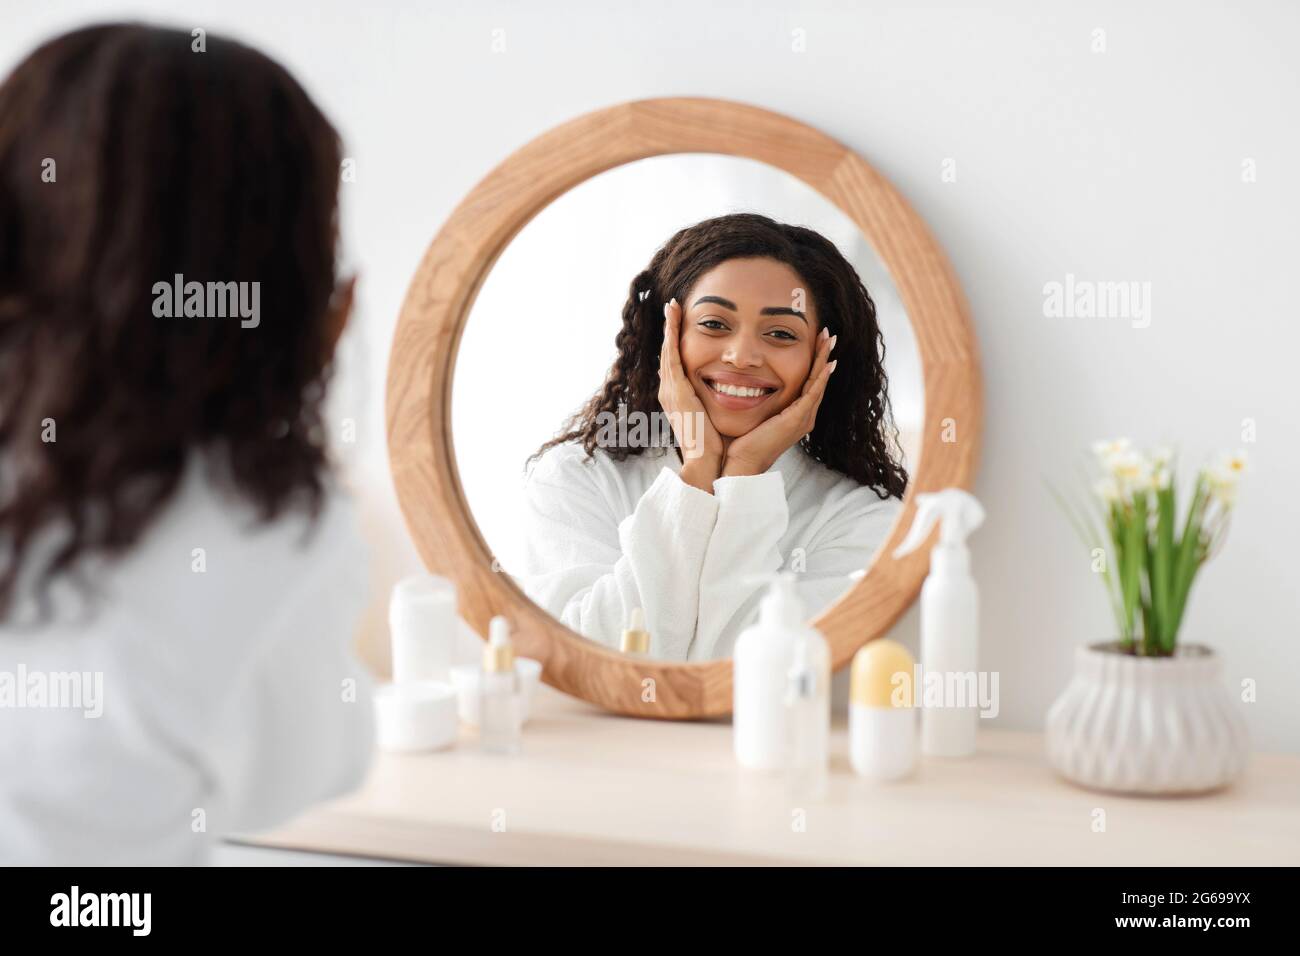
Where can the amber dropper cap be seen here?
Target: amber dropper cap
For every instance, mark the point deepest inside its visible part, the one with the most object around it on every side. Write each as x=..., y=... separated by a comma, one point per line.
x=499, y=653
x=636, y=639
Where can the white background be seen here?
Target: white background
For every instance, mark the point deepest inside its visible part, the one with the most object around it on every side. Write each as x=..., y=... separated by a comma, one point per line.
x=1124, y=165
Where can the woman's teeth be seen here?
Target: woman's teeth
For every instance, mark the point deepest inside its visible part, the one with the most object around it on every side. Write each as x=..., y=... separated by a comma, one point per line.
x=739, y=391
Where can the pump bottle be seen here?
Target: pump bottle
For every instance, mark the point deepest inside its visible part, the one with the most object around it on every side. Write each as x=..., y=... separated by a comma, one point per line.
x=499, y=692
x=762, y=711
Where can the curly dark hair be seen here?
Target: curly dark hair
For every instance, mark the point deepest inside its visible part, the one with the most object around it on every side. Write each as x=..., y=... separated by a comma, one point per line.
x=214, y=165
x=854, y=433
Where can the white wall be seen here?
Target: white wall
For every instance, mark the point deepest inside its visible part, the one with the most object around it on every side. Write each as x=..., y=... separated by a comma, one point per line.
x=1122, y=165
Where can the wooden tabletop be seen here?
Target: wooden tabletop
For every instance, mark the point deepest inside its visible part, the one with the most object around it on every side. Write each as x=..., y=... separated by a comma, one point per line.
x=593, y=788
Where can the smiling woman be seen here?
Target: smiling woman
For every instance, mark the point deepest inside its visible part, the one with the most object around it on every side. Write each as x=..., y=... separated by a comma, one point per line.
x=795, y=466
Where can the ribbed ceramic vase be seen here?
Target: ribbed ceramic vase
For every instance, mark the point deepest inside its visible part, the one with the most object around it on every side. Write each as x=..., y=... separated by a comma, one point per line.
x=1151, y=725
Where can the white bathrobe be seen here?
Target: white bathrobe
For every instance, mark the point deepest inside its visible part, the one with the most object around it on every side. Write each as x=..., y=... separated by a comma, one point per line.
x=231, y=699
x=603, y=537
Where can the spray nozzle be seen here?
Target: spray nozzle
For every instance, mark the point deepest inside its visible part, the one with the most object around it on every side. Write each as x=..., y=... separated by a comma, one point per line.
x=957, y=511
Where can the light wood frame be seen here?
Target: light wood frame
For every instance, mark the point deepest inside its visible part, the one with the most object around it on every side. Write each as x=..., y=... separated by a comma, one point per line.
x=443, y=290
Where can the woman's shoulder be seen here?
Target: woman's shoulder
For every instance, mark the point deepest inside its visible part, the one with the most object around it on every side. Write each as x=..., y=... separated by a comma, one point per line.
x=834, y=486
x=206, y=547
x=208, y=506
x=211, y=553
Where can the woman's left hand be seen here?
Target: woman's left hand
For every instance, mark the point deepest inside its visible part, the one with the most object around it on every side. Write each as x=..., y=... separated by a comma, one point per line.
x=755, y=452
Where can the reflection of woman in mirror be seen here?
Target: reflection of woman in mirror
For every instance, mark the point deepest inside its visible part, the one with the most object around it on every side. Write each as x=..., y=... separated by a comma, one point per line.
x=758, y=343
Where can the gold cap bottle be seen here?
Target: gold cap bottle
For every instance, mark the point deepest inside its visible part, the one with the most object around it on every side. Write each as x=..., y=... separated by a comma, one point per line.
x=874, y=681
x=883, y=711
x=499, y=652
x=636, y=639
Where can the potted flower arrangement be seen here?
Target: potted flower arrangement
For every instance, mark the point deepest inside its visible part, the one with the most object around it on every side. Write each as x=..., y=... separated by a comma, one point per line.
x=1144, y=713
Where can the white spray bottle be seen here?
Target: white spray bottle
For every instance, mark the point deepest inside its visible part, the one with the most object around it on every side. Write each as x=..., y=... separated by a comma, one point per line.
x=950, y=610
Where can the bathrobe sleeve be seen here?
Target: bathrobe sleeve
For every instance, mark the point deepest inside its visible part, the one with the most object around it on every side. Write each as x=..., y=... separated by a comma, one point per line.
x=753, y=515
x=588, y=568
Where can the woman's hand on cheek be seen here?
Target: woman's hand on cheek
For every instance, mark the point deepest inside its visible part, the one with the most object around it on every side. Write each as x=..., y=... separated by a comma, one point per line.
x=755, y=452
x=701, y=445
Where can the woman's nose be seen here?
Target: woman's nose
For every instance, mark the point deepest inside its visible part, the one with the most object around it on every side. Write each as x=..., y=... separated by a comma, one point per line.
x=742, y=355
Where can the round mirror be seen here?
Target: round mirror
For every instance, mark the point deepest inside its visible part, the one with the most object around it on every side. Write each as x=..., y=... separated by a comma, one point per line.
x=576, y=466
x=560, y=434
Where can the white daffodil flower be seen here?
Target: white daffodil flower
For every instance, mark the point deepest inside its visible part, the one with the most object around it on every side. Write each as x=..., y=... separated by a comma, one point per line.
x=1106, y=450
x=1107, y=489
x=1233, y=464
x=1131, y=471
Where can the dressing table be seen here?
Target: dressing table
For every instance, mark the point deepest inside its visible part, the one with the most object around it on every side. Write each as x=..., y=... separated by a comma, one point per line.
x=591, y=787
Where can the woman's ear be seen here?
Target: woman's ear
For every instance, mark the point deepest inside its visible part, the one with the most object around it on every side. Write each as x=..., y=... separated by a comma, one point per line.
x=340, y=310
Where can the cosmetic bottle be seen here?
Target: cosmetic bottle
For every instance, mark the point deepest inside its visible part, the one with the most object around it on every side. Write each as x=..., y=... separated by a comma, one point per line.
x=636, y=639
x=882, y=715
x=761, y=666
x=499, y=692
x=807, y=722
x=422, y=622
x=949, y=622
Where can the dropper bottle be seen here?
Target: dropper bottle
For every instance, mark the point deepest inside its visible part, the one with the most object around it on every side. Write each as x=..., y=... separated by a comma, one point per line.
x=807, y=726
x=499, y=697
x=636, y=639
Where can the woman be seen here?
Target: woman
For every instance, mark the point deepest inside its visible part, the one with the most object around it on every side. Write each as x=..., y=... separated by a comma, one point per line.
x=179, y=573
x=758, y=344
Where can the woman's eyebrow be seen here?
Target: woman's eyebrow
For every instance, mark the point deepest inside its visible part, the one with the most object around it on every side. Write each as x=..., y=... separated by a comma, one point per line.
x=717, y=300
x=783, y=310
x=770, y=310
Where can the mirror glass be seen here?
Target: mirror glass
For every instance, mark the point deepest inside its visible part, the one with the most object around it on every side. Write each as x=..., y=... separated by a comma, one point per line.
x=681, y=501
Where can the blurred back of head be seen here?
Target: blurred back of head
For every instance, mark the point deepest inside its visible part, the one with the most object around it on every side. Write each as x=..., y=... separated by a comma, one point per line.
x=127, y=159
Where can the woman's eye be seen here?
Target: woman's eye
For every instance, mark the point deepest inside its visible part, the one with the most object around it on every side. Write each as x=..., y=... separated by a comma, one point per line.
x=718, y=325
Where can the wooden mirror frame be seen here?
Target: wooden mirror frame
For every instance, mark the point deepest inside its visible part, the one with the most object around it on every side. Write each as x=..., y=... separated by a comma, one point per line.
x=447, y=281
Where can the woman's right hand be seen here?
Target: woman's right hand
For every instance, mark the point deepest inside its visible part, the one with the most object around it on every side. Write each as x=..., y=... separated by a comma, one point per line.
x=701, y=445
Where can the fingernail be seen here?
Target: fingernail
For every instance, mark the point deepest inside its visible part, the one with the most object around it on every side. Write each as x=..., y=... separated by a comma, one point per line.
x=833, y=364
x=834, y=339
x=825, y=332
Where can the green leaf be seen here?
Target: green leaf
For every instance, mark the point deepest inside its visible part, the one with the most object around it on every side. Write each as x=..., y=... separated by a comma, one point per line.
x=1127, y=530
x=1186, y=560
x=1162, y=566
x=1135, y=547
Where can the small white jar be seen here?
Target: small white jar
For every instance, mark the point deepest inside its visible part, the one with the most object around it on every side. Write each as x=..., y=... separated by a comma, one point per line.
x=415, y=716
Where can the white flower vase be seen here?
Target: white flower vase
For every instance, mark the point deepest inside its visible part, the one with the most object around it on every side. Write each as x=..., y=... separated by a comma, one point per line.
x=1147, y=725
